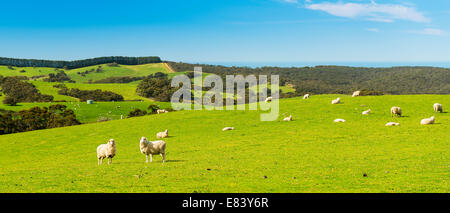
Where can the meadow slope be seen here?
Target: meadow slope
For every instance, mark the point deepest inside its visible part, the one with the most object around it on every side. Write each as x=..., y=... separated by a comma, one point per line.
x=309, y=154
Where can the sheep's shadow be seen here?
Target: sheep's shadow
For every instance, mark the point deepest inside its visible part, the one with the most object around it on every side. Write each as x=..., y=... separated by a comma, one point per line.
x=174, y=161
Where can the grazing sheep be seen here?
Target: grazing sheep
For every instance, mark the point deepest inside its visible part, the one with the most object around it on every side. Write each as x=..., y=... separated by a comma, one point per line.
x=437, y=107
x=336, y=101
x=121, y=116
x=392, y=124
x=339, y=120
x=268, y=99
x=366, y=112
x=159, y=111
x=356, y=93
x=164, y=134
x=288, y=118
x=306, y=96
x=107, y=150
x=427, y=121
x=153, y=148
x=228, y=128
x=396, y=111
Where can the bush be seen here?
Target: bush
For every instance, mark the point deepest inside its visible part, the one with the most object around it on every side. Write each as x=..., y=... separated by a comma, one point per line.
x=157, y=88
x=153, y=108
x=125, y=79
x=137, y=113
x=17, y=90
x=61, y=76
x=36, y=118
x=96, y=95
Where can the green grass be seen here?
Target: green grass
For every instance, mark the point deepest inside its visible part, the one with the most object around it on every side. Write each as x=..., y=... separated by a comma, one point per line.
x=88, y=113
x=122, y=70
x=309, y=154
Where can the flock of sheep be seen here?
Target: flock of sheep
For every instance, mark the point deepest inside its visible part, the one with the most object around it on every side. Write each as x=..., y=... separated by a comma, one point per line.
x=395, y=111
x=150, y=148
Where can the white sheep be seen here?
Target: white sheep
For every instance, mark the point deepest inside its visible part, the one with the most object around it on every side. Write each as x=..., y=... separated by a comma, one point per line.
x=164, y=134
x=288, y=118
x=152, y=148
x=392, y=124
x=366, y=112
x=437, y=107
x=107, y=150
x=339, y=120
x=306, y=96
x=268, y=99
x=228, y=128
x=427, y=121
x=336, y=101
x=159, y=111
x=396, y=111
x=356, y=93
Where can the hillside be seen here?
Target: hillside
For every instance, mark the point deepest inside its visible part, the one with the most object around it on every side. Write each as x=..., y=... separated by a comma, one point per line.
x=309, y=154
x=341, y=79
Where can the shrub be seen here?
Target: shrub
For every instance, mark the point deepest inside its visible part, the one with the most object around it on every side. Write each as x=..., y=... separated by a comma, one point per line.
x=61, y=76
x=36, y=118
x=96, y=95
x=153, y=108
x=17, y=90
x=156, y=88
x=137, y=113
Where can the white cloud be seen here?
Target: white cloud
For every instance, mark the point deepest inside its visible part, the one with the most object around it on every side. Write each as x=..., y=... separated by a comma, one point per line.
x=371, y=11
x=430, y=31
x=376, y=30
x=291, y=1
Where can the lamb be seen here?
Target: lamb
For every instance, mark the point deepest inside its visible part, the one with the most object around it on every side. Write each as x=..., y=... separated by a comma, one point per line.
x=396, y=111
x=392, y=124
x=366, y=112
x=306, y=96
x=336, y=101
x=427, y=121
x=437, y=107
x=159, y=111
x=339, y=120
x=228, y=128
x=164, y=134
x=152, y=148
x=356, y=93
x=107, y=150
x=288, y=118
x=268, y=99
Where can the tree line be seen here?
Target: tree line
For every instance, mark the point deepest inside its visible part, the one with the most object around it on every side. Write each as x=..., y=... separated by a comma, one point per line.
x=78, y=63
x=343, y=79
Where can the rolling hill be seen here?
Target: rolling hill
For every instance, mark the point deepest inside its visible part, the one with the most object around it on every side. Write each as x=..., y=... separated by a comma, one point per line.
x=309, y=154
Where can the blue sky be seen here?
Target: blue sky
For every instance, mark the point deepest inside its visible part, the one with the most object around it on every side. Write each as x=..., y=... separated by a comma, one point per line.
x=229, y=30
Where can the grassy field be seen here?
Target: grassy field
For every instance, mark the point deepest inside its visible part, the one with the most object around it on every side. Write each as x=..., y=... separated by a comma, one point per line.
x=309, y=154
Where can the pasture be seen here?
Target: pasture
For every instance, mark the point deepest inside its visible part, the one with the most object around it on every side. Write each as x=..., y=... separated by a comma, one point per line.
x=309, y=154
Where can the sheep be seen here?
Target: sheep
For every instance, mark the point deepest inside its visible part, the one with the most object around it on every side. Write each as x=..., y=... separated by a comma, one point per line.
x=268, y=99
x=107, y=150
x=437, y=107
x=392, y=124
x=164, y=134
x=356, y=93
x=339, y=120
x=228, y=128
x=366, y=112
x=152, y=148
x=427, y=121
x=396, y=111
x=288, y=118
x=159, y=111
x=306, y=96
x=336, y=101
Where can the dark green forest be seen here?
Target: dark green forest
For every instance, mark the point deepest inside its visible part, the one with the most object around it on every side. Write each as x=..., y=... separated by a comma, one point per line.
x=342, y=79
x=79, y=63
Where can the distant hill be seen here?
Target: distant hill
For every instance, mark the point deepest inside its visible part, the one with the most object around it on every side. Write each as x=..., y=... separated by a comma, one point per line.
x=79, y=63
x=343, y=79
